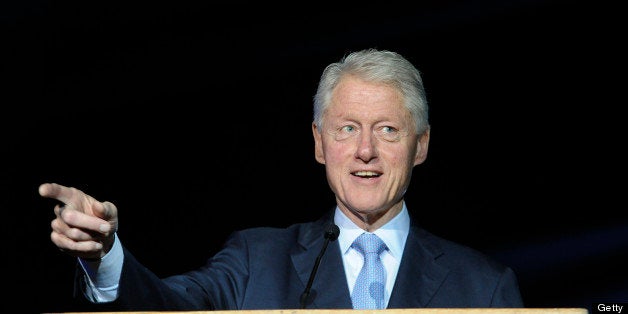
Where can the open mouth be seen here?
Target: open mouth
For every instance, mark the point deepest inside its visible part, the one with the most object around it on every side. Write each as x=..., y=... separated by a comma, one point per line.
x=366, y=174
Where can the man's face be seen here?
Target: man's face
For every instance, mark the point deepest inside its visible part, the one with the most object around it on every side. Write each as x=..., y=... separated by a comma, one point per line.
x=369, y=146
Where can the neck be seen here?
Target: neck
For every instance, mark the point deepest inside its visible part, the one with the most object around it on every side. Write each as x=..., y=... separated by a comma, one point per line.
x=372, y=220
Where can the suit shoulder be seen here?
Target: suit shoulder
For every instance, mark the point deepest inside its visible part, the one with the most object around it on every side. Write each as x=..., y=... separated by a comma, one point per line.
x=456, y=255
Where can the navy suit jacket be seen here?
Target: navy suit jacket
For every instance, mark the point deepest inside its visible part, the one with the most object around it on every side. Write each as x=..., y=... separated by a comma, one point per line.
x=268, y=268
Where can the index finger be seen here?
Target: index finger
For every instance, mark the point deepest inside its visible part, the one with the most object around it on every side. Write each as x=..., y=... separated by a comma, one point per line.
x=56, y=191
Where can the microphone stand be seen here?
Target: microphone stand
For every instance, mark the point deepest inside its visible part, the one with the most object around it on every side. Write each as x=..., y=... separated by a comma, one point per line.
x=331, y=234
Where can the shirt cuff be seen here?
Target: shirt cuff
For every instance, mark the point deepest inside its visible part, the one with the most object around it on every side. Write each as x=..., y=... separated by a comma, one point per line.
x=103, y=277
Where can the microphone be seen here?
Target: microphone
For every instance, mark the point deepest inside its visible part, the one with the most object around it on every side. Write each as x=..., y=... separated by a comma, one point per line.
x=331, y=234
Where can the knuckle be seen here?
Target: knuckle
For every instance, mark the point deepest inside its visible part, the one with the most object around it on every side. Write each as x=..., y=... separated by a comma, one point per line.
x=74, y=233
x=68, y=215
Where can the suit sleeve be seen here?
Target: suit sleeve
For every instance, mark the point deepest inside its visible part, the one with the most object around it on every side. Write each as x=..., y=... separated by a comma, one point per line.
x=217, y=285
x=507, y=294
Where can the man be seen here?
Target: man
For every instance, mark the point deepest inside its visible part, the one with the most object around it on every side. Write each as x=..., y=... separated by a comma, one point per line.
x=370, y=129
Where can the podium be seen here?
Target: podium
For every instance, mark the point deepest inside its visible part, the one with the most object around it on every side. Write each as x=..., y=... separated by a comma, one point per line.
x=385, y=311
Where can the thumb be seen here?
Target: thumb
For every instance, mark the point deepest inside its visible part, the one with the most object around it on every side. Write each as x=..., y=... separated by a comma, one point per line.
x=109, y=212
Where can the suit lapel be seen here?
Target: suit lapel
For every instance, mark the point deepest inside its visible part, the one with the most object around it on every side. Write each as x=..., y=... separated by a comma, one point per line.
x=417, y=281
x=329, y=288
x=419, y=275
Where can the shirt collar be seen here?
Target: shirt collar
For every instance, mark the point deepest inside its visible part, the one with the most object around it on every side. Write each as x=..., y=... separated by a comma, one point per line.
x=393, y=233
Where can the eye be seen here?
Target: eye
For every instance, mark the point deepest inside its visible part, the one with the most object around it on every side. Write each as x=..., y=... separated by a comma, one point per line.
x=388, y=133
x=388, y=129
x=347, y=129
x=345, y=132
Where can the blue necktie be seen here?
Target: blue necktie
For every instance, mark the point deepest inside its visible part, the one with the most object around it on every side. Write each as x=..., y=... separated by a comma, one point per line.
x=368, y=292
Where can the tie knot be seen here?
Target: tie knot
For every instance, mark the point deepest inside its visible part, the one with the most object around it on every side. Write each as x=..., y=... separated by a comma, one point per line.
x=369, y=243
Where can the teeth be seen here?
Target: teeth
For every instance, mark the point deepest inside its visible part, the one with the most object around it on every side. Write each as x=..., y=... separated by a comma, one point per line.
x=366, y=174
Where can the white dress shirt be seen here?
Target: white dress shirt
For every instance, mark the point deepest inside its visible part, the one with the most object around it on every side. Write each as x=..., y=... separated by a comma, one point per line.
x=394, y=234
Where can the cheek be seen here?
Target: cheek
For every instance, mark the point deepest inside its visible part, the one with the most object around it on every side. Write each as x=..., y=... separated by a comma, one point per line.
x=337, y=152
x=399, y=159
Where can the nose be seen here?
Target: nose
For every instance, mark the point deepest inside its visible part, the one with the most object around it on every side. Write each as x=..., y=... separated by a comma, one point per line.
x=366, y=149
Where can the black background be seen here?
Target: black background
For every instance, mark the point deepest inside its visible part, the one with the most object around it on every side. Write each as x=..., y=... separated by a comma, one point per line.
x=194, y=119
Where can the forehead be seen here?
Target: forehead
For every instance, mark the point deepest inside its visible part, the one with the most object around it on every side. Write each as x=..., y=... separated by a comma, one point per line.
x=354, y=97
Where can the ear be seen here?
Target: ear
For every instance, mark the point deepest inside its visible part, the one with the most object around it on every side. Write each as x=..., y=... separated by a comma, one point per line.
x=423, y=142
x=318, y=144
